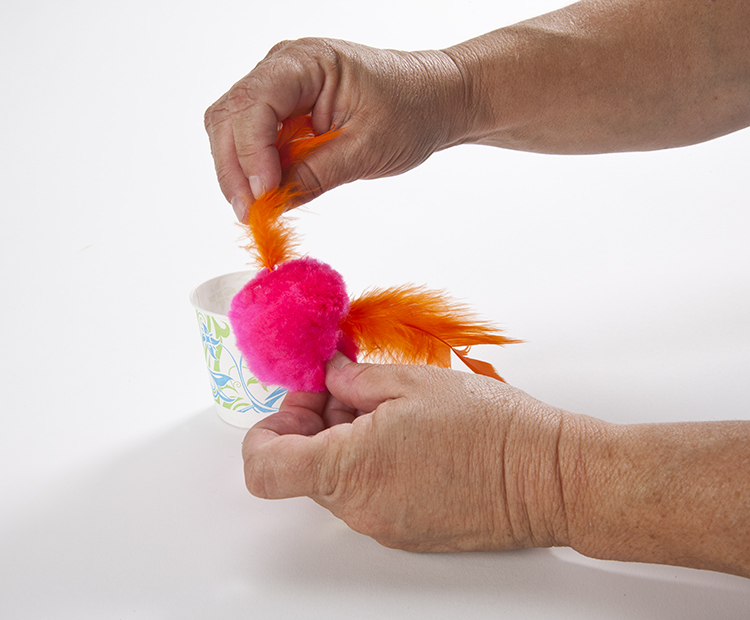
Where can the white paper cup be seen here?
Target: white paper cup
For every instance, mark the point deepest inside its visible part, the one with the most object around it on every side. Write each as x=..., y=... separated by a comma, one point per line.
x=239, y=397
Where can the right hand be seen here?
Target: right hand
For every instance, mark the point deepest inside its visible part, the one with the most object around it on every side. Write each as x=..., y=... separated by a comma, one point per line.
x=396, y=109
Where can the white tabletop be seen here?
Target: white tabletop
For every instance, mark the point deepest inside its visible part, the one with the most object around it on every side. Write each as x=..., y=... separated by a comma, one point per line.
x=121, y=491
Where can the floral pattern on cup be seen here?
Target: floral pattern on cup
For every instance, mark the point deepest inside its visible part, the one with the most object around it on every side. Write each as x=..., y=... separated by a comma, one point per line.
x=232, y=384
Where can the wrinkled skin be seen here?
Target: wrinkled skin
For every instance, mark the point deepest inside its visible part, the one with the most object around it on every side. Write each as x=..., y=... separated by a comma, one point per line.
x=424, y=459
x=380, y=97
x=418, y=458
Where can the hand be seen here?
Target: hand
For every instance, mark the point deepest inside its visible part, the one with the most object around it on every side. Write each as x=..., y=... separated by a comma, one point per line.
x=419, y=458
x=425, y=459
x=396, y=108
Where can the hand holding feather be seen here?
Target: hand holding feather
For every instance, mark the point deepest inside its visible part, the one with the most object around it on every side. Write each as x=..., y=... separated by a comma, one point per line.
x=398, y=107
x=296, y=314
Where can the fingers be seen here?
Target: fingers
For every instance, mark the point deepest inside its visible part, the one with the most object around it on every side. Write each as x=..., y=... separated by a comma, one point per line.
x=232, y=180
x=364, y=387
x=316, y=411
x=379, y=97
x=280, y=462
x=242, y=126
x=254, y=130
x=295, y=452
x=246, y=161
x=306, y=408
x=287, y=454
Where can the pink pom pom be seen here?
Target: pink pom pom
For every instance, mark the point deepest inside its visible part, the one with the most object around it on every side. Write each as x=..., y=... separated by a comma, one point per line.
x=286, y=323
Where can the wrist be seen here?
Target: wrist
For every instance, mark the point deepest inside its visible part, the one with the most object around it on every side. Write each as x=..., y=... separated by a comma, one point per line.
x=534, y=501
x=660, y=493
x=472, y=116
x=584, y=473
x=448, y=88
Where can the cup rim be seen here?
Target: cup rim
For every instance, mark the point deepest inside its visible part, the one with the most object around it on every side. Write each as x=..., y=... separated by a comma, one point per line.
x=194, y=293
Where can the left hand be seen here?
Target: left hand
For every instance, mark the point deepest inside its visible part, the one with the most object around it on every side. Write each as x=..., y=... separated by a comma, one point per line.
x=419, y=458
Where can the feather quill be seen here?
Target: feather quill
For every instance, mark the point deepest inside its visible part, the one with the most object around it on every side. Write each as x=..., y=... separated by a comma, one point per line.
x=415, y=325
x=272, y=240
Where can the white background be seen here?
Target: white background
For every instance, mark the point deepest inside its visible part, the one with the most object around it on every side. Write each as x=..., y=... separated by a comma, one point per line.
x=121, y=493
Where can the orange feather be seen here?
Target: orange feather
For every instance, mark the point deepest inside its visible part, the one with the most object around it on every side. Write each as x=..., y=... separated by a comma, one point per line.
x=408, y=324
x=272, y=240
x=415, y=325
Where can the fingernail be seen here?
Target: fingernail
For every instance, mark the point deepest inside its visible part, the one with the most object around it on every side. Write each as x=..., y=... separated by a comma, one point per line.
x=339, y=360
x=240, y=209
x=258, y=186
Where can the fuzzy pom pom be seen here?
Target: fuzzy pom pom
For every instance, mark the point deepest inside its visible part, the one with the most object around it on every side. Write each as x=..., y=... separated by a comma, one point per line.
x=287, y=323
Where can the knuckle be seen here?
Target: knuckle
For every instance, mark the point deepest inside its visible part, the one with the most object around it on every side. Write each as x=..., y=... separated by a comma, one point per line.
x=242, y=94
x=261, y=83
x=280, y=46
x=286, y=60
x=325, y=478
x=225, y=175
x=245, y=152
x=405, y=379
x=343, y=473
x=299, y=51
x=328, y=468
x=214, y=115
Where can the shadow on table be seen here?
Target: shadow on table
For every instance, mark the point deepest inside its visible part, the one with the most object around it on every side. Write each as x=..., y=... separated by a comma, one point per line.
x=167, y=530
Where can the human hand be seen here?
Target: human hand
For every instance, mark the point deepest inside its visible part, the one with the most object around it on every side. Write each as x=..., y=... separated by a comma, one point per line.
x=396, y=108
x=419, y=458
x=426, y=459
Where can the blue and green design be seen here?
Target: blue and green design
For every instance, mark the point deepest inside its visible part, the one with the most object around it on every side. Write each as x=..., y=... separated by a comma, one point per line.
x=233, y=385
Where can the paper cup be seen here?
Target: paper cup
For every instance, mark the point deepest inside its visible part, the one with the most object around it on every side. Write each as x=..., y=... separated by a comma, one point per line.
x=239, y=397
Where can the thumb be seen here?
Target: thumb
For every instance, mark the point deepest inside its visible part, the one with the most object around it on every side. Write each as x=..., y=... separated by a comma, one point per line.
x=364, y=387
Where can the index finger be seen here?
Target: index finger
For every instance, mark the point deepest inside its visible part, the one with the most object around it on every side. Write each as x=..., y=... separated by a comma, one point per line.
x=242, y=135
x=288, y=82
x=254, y=131
x=232, y=180
x=279, y=461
